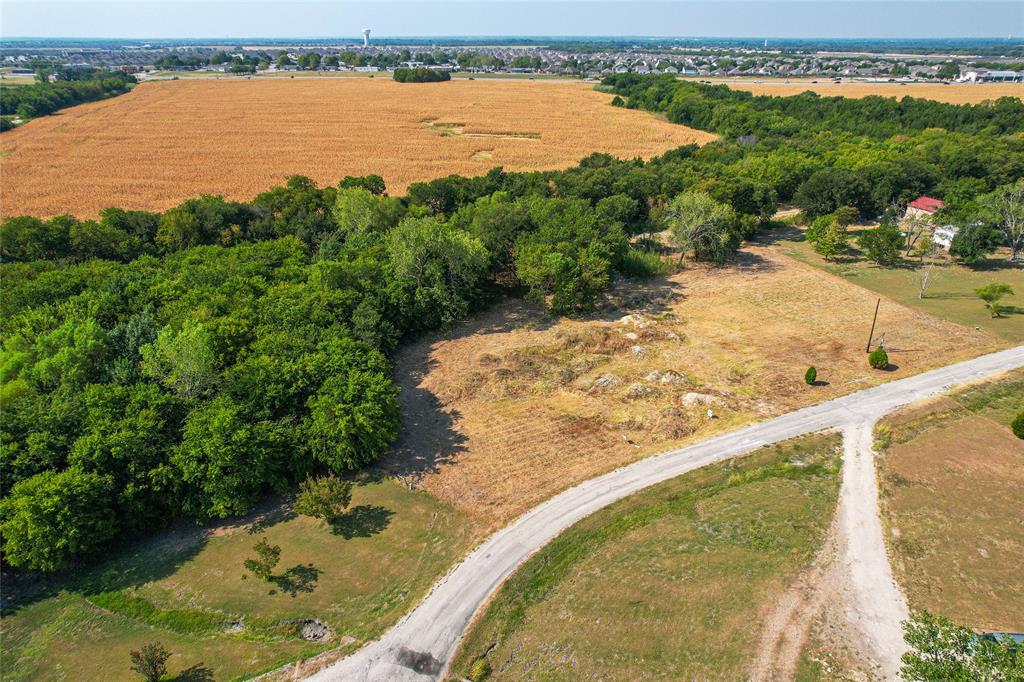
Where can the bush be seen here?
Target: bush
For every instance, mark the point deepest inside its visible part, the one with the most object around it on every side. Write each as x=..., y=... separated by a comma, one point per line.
x=267, y=556
x=879, y=359
x=324, y=498
x=642, y=264
x=480, y=670
x=1018, y=426
x=811, y=375
x=150, y=661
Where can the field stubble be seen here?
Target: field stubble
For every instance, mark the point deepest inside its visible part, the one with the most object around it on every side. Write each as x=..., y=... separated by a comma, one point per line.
x=170, y=140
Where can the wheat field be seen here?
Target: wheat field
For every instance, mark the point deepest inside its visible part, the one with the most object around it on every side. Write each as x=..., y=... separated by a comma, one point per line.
x=954, y=93
x=167, y=141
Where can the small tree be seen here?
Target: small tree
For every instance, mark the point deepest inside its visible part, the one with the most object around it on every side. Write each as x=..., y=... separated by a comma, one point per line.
x=150, y=661
x=991, y=294
x=811, y=375
x=1018, y=426
x=878, y=358
x=882, y=244
x=267, y=556
x=324, y=498
x=480, y=670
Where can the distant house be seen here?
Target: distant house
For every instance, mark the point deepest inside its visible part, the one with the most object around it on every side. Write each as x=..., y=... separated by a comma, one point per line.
x=923, y=207
x=943, y=235
x=987, y=76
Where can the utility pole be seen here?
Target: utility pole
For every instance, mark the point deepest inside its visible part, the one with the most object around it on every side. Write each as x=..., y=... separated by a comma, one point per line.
x=873, y=320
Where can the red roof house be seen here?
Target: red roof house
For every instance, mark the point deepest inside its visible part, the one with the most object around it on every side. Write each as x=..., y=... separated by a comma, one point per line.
x=925, y=205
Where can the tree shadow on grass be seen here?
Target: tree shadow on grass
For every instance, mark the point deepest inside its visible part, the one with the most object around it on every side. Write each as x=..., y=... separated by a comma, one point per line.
x=297, y=579
x=199, y=672
x=362, y=521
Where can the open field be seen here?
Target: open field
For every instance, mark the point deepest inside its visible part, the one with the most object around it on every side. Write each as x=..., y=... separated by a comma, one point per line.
x=954, y=93
x=950, y=294
x=357, y=578
x=168, y=141
x=512, y=407
x=951, y=482
x=673, y=582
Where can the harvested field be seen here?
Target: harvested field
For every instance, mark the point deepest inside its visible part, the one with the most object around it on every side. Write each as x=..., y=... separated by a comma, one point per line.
x=954, y=93
x=512, y=406
x=951, y=485
x=171, y=140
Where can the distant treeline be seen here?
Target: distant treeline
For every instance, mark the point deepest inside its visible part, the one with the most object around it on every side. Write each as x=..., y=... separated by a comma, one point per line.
x=421, y=75
x=734, y=113
x=39, y=99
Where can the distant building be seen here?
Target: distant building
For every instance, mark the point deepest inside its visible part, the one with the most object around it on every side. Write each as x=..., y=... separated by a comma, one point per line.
x=923, y=207
x=943, y=235
x=987, y=76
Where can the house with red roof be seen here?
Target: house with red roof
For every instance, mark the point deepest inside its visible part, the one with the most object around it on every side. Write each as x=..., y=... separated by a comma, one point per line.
x=923, y=207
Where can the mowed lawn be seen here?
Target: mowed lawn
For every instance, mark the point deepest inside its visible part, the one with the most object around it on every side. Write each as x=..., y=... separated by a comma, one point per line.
x=188, y=590
x=950, y=293
x=672, y=582
x=951, y=483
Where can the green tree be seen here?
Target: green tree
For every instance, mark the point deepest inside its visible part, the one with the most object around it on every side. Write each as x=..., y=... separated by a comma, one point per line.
x=267, y=558
x=881, y=244
x=325, y=498
x=150, y=661
x=699, y=223
x=1018, y=426
x=1004, y=209
x=992, y=294
x=949, y=71
x=182, y=360
x=878, y=358
x=943, y=651
x=828, y=237
x=52, y=517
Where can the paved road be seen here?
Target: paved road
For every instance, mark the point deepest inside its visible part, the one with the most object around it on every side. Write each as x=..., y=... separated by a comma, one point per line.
x=421, y=645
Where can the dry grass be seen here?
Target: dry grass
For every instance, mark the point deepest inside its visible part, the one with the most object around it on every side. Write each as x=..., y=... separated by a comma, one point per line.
x=511, y=407
x=954, y=93
x=167, y=141
x=951, y=487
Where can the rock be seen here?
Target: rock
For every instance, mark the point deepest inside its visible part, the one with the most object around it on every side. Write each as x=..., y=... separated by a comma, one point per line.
x=637, y=320
x=632, y=336
x=639, y=390
x=691, y=399
x=672, y=336
x=666, y=376
x=607, y=381
x=315, y=631
x=638, y=351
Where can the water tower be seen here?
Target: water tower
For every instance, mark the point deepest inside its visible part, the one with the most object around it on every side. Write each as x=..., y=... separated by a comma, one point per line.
x=366, y=37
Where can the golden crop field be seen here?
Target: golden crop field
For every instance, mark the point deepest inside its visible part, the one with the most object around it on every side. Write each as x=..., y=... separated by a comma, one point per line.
x=954, y=93
x=167, y=141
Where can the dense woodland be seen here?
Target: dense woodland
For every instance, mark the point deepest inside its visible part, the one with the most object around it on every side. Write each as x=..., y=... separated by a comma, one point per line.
x=71, y=87
x=183, y=364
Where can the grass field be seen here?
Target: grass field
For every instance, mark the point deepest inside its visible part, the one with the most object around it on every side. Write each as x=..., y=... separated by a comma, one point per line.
x=511, y=407
x=186, y=589
x=670, y=583
x=951, y=482
x=950, y=294
x=954, y=93
x=170, y=140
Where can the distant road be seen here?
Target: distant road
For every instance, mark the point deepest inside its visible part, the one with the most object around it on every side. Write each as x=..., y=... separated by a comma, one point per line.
x=422, y=644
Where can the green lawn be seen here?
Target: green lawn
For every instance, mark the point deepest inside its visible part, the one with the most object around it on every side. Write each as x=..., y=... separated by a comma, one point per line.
x=950, y=294
x=188, y=590
x=670, y=583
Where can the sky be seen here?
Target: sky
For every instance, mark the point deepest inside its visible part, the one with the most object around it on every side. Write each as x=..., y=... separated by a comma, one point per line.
x=394, y=18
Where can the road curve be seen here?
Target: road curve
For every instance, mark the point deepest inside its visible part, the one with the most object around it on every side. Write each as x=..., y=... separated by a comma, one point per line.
x=421, y=645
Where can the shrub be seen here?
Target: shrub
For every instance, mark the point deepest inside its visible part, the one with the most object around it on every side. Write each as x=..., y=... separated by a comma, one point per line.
x=324, y=498
x=879, y=359
x=420, y=75
x=811, y=375
x=480, y=670
x=1018, y=426
x=642, y=264
x=150, y=661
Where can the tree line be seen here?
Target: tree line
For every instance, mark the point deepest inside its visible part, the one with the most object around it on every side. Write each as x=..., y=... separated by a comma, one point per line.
x=185, y=363
x=42, y=98
x=420, y=74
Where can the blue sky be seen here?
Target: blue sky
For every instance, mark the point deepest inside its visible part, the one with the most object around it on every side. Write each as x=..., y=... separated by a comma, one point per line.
x=308, y=18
